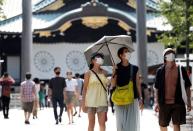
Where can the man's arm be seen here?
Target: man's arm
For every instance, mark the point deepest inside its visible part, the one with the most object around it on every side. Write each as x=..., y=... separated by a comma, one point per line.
x=1, y=78
x=188, y=92
x=50, y=89
x=64, y=93
x=11, y=79
x=34, y=91
x=156, y=91
x=21, y=92
x=156, y=100
x=187, y=86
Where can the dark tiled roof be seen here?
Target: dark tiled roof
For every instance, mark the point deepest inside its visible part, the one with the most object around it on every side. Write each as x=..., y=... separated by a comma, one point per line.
x=38, y=21
x=44, y=20
x=42, y=4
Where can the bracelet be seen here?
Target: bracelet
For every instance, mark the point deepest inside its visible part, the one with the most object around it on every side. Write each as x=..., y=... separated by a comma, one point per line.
x=140, y=98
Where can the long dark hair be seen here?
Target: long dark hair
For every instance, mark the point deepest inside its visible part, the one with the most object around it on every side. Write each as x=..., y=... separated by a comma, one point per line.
x=36, y=80
x=91, y=66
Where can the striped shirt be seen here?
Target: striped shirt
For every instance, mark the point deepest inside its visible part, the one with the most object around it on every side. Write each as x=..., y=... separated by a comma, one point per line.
x=28, y=91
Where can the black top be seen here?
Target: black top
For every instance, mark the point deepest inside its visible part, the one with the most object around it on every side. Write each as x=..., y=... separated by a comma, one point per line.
x=160, y=85
x=57, y=85
x=123, y=76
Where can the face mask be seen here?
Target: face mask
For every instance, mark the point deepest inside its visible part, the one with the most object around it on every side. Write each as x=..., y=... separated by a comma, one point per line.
x=57, y=73
x=170, y=57
x=69, y=76
x=127, y=55
x=99, y=61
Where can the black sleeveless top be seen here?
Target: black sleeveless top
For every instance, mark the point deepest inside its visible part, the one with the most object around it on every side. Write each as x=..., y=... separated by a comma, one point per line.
x=123, y=76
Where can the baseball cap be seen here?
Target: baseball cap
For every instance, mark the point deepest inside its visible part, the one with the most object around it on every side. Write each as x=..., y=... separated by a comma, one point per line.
x=168, y=50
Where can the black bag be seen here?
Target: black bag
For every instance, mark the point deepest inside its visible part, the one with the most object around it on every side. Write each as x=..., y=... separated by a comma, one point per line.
x=1, y=104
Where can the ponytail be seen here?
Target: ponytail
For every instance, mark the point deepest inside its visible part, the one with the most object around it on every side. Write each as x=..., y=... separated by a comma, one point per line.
x=91, y=66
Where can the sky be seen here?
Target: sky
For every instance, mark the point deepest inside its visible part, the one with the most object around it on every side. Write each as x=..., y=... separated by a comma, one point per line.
x=14, y=7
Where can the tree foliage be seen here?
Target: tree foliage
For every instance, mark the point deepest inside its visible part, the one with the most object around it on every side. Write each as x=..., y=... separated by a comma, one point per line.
x=1, y=10
x=175, y=13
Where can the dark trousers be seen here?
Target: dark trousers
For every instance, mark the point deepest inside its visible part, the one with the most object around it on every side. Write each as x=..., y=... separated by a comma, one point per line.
x=1, y=107
x=5, y=105
x=60, y=101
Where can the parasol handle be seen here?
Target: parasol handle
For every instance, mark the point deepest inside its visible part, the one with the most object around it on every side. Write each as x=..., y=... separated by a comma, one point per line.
x=110, y=55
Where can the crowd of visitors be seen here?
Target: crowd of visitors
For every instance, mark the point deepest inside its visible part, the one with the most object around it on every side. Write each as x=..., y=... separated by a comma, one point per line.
x=90, y=94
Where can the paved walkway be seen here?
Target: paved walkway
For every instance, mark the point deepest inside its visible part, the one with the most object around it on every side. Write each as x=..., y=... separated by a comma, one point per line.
x=46, y=121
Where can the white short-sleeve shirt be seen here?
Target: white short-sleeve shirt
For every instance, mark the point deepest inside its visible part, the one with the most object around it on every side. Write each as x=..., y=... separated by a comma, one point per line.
x=71, y=85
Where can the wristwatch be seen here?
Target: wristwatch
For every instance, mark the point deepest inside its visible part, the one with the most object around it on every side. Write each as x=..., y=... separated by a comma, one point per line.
x=140, y=98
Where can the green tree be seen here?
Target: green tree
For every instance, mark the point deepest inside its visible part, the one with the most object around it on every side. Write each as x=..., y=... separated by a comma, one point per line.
x=2, y=16
x=179, y=15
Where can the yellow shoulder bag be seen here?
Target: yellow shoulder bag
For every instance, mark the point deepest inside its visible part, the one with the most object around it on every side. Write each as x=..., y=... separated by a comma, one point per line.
x=124, y=95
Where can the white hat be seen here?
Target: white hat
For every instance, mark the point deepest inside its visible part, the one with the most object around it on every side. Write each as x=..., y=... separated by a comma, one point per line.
x=168, y=50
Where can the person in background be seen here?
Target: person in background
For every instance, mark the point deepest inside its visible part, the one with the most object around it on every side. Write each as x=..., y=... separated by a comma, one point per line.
x=56, y=93
x=47, y=99
x=169, y=102
x=71, y=95
x=6, y=81
x=79, y=89
x=36, y=100
x=127, y=116
x=95, y=94
x=151, y=96
x=42, y=95
x=28, y=94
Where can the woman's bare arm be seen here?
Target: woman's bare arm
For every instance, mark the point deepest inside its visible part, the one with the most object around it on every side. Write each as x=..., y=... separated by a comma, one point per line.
x=86, y=81
x=138, y=81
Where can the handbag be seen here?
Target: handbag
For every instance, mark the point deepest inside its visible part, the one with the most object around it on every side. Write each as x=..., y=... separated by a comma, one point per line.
x=124, y=95
x=182, y=83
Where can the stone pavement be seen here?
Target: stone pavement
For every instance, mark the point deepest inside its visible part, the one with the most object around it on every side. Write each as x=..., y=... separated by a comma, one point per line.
x=46, y=122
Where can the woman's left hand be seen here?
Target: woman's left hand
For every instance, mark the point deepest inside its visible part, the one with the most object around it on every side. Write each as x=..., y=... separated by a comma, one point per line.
x=141, y=105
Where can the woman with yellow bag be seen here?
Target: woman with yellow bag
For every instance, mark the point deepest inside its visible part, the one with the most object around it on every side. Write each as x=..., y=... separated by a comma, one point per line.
x=127, y=96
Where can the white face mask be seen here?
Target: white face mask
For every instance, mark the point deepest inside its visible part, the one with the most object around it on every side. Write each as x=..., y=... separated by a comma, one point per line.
x=127, y=55
x=170, y=57
x=99, y=61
